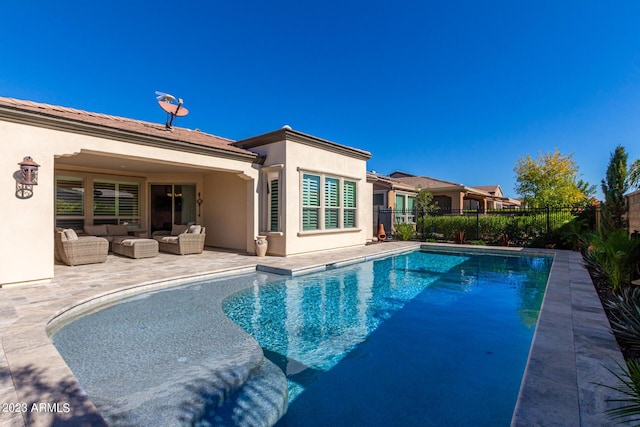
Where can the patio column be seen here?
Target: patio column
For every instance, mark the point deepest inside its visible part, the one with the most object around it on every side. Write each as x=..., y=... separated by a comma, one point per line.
x=253, y=214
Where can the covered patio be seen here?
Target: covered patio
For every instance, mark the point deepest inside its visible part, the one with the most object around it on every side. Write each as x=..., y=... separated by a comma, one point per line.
x=151, y=194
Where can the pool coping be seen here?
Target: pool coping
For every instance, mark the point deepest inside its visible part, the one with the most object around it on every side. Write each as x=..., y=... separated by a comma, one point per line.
x=570, y=355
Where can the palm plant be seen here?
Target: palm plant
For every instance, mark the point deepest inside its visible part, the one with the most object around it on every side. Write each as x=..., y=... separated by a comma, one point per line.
x=630, y=387
x=613, y=256
x=574, y=233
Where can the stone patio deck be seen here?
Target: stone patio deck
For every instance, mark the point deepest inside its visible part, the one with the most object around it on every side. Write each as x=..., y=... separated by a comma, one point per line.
x=571, y=350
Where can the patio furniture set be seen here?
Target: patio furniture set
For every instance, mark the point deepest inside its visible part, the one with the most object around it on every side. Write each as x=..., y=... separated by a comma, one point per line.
x=94, y=245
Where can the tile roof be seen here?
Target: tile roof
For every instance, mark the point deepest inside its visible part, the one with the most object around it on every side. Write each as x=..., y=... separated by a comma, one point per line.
x=427, y=182
x=492, y=189
x=158, y=130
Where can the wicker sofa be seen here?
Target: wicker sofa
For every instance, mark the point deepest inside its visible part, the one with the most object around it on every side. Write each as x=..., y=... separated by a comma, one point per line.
x=73, y=250
x=107, y=231
x=181, y=240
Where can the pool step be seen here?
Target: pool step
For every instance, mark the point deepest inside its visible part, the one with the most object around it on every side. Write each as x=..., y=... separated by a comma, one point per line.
x=259, y=402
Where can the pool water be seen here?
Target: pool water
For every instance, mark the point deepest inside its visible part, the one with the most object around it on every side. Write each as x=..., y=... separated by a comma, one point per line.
x=417, y=339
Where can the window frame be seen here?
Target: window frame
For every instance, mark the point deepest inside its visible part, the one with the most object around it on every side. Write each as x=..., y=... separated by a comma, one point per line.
x=332, y=203
x=406, y=214
x=267, y=218
x=337, y=223
x=71, y=220
x=308, y=207
x=133, y=218
x=353, y=209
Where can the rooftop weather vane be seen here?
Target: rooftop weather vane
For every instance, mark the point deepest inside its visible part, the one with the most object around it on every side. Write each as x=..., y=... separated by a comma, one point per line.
x=172, y=106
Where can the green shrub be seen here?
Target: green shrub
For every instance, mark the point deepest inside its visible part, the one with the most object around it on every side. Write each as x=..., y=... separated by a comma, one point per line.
x=404, y=231
x=613, y=256
x=574, y=234
x=518, y=227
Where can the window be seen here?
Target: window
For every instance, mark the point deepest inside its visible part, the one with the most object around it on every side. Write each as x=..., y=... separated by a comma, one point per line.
x=378, y=199
x=442, y=202
x=350, y=204
x=331, y=203
x=310, y=202
x=172, y=204
x=399, y=211
x=270, y=199
x=328, y=203
x=70, y=202
x=405, y=208
x=470, y=204
x=274, y=205
x=116, y=202
x=411, y=209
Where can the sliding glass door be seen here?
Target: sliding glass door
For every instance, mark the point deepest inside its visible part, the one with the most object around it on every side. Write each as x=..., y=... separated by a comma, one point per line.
x=172, y=204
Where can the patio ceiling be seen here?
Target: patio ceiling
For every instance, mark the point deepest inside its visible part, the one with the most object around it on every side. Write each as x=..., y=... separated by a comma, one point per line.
x=126, y=165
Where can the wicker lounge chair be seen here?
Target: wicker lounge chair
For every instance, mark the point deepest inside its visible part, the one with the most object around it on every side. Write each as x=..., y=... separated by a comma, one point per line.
x=189, y=242
x=73, y=250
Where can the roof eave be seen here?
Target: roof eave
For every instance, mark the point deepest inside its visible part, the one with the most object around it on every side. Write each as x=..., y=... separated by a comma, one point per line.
x=280, y=135
x=41, y=119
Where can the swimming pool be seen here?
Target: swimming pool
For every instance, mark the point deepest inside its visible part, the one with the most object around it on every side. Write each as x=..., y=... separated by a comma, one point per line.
x=347, y=352
x=417, y=339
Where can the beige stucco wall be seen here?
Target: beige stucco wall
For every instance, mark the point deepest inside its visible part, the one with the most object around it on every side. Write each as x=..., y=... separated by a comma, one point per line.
x=276, y=157
x=26, y=251
x=226, y=211
x=633, y=200
x=304, y=158
x=26, y=247
x=298, y=158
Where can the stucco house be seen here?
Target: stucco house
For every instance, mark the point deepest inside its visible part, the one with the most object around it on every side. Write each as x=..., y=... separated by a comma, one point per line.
x=398, y=190
x=303, y=192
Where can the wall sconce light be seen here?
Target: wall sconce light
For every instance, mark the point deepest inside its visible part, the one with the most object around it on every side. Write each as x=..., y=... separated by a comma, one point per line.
x=199, y=201
x=26, y=178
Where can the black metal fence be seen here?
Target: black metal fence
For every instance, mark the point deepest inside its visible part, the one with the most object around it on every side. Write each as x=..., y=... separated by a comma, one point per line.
x=496, y=226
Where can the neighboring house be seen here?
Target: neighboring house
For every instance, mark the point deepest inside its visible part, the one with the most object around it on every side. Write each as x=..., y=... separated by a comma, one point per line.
x=454, y=196
x=498, y=200
x=305, y=193
x=398, y=190
x=391, y=193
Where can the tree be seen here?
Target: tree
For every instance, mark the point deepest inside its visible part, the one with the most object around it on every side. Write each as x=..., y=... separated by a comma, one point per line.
x=589, y=190
x=615, y=184
x=634, y=174
x=550, y=180
x=424, y=201
x=424, y=204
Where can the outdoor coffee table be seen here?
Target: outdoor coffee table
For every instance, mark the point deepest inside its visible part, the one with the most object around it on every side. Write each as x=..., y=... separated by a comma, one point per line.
x=136, y=248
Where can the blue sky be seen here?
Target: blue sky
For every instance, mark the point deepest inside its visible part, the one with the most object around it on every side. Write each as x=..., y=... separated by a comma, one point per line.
x=456, y=90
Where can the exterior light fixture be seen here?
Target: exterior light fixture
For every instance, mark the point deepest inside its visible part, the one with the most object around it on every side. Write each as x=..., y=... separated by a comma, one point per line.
x=26, y=178
x=199, y=202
